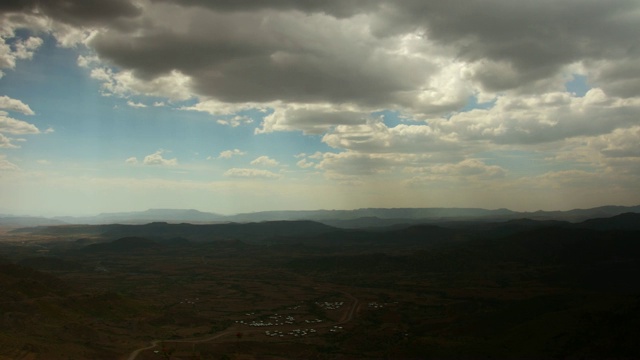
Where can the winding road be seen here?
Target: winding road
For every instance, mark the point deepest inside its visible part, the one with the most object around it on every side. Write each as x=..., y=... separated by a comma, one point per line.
x=352, y=311
x=155, y=343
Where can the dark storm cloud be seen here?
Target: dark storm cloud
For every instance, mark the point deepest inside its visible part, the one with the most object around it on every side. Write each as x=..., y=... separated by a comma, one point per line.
x=338, y=8
x=185, y=52
x=308, y=79
x=76, y=12
x=349, y=51
x=264, y=56
x=239, y=51
x=620, y=78
x=537, y=38
x=15, y=5
x=357, y=51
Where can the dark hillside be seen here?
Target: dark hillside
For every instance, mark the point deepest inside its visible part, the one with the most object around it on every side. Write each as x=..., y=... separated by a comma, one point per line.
x=45, y=317
x=123, y=245
x=607, y=257
x=238, y=231
x=403, y=239
x=65, y=230
x=520, y=288
x=21, y=283
x=502, y=228
x=50, y=263
x=626, y=221
x=205, y=232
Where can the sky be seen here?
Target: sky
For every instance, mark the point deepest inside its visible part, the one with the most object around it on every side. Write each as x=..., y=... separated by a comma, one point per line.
x=235, y=106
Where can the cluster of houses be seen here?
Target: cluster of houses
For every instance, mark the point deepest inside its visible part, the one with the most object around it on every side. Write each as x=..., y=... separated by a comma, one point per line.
x=273, y=333
x=260, y=323
x=327, y=305
x=189, y=301
x=375, y=305
x=276, y=320
x=335, y=328
x=283, y=320
x=294, y=332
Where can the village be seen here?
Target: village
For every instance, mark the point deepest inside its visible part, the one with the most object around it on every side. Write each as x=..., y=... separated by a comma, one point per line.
x=285, y=322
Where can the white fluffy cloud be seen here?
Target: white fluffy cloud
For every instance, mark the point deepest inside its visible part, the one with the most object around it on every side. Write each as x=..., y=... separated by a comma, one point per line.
x=173, y=85
x=157, y=159
x=621, y=143
x=215, y=107
x=264, y=161
x=227, y=154
x=132, y=160
x=376, y=137
x=20, y=50
x=235, y=121
x=305, y=164
x=10, y=104
x=136, y=104
x=10, y=125
x=311, y=118
x=543, y=118
x=6, y=142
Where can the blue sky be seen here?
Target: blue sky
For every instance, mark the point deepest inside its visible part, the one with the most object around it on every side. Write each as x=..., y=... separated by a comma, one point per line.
x=240, y=107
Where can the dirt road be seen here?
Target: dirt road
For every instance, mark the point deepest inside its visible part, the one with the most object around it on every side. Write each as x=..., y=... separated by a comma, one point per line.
x=155, y=343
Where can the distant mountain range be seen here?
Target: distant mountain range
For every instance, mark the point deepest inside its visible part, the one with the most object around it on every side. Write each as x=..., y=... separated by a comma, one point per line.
x=159, y=235
x=16, y=221
x=197, y=232
x=358, y=218
x=147, y=216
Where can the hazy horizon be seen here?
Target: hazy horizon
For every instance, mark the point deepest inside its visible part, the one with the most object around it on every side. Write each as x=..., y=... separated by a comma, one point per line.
x=237, y=107
x=139, y=211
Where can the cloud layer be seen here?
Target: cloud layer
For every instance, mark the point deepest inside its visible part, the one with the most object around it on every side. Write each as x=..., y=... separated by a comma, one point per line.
x=413, y=92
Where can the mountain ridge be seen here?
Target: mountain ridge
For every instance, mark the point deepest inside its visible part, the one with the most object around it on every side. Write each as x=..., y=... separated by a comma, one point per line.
x=356, y=218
